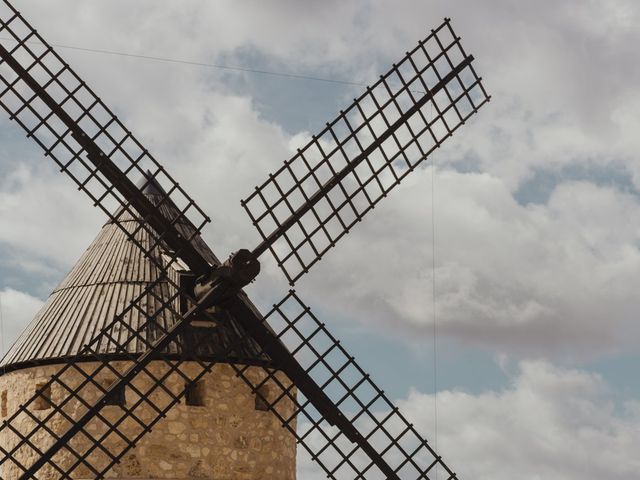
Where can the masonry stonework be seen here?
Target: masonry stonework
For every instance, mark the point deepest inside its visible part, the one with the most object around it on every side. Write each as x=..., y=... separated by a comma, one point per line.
x=226, y=438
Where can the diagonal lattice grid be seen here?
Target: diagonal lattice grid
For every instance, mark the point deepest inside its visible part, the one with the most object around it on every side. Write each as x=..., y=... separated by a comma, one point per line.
x=352, y=390
x=99, y=444
x=55, y=107
x=62, y=114
x=78, y=406
x=317, y=196
x=75, y=129
x=75, y=397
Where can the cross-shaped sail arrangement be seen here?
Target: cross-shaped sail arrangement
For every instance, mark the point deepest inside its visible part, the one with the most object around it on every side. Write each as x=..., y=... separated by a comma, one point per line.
x=190, y=313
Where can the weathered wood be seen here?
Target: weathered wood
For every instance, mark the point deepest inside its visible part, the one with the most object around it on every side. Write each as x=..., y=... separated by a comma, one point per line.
x=108, y=276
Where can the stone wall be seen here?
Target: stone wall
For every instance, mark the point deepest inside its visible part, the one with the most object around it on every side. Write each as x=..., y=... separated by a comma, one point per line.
x=229, y=437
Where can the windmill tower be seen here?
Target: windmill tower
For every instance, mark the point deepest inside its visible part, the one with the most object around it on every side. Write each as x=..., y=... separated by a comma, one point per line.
x=105, y=387
x=220, y=429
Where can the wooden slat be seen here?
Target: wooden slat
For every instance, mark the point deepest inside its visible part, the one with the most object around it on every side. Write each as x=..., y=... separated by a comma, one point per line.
x=107, y=277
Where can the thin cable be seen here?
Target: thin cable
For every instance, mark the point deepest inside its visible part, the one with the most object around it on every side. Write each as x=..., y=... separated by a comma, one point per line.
x=199, y=64
x=435, y=327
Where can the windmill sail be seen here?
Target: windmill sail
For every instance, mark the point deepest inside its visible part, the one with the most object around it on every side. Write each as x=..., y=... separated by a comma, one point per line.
x=369, y=439
x=317, y=196
x=109, y=311
x=90, y=144
x=341, y=410
x=78, y=131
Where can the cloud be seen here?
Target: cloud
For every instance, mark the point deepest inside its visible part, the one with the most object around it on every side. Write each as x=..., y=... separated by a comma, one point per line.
x=507, y=275
x=42, y=215
x=18, y=308
x=549, y=422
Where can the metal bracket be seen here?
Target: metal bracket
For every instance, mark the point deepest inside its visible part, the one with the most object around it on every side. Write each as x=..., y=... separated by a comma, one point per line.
x=236, y=272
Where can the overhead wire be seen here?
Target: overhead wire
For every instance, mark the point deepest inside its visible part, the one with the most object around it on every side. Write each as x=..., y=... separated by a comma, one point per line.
x=433, y=302
x=200, y=64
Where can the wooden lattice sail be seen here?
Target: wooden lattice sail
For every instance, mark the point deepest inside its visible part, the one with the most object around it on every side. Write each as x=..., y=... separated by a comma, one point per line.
x=176, y=314
x=111, y=273
x=219, y=427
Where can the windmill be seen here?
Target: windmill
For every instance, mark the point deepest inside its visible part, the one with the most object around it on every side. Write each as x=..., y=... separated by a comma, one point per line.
x=190, y=314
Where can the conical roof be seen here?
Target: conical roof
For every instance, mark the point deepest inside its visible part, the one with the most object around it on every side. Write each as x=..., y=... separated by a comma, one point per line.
x=109, y=275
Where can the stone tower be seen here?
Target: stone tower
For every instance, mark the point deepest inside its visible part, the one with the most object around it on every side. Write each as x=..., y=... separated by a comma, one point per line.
x=220, y=430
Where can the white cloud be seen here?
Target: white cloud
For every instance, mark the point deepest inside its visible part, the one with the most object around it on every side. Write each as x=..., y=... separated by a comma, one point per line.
x=507, y=275
x=18, y=308
x=548, y=423
x=43, y=216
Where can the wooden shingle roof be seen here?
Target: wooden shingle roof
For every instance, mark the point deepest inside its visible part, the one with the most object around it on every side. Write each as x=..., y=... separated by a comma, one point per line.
x=108, y=276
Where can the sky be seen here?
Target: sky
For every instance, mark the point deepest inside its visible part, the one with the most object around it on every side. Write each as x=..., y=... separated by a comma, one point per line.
x=535, y=204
